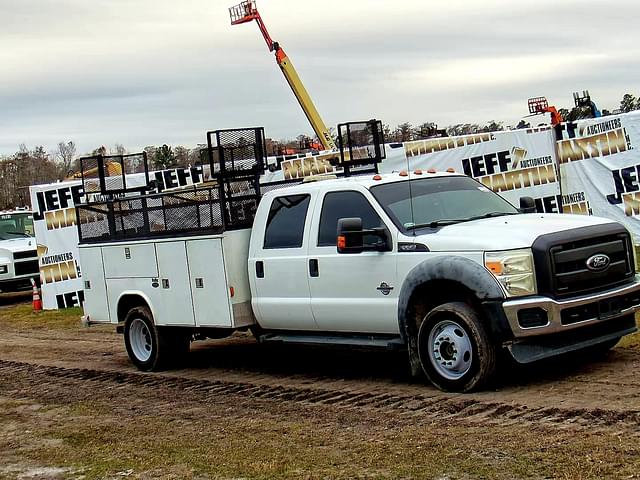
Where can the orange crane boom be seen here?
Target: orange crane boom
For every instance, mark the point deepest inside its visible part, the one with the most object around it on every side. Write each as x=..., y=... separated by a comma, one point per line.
x=246, y=12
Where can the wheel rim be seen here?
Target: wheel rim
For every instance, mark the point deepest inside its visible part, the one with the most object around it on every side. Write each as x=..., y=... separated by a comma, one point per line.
x=450, y=350
x=140, y=340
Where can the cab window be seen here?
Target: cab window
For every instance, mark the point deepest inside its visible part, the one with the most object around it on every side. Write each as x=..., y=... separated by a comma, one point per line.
x=339, y=205
x=285, y=223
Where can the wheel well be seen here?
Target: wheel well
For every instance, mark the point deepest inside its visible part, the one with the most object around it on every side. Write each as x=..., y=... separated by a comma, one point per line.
x=430, y=294
x=127, y=302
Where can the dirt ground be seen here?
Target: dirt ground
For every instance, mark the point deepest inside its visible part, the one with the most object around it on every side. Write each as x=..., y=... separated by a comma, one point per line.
x=71, y=406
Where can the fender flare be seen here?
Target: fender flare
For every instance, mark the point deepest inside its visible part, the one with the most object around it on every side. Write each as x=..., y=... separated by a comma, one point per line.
x=453, y=268
x=135, y=293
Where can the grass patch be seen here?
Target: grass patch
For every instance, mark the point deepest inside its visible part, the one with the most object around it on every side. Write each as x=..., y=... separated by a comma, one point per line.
x=22, y=317
x=184, y=444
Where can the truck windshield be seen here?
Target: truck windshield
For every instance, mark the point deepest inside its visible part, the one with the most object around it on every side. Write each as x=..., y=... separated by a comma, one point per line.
x=16, y=225
x=435, y=202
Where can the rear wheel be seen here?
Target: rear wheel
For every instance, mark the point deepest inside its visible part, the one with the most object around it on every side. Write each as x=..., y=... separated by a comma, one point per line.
x=151, y=348
x=455, y=351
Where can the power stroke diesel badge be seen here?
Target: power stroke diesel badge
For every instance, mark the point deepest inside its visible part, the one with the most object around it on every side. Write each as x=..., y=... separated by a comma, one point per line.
x=598, y=263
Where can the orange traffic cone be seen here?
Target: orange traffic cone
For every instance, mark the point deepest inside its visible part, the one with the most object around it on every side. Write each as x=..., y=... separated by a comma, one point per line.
x=37, y=302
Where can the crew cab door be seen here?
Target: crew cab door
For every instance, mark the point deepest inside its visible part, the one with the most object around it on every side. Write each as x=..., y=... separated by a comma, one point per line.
x=278, y=266
x=351, y=292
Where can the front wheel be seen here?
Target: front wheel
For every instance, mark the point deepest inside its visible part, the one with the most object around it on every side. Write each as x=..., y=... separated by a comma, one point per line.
x=455, y=351
x=149, y=347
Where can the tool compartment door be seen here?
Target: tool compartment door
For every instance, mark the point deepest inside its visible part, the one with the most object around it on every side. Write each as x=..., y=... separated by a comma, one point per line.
x=95, y=286
x=209, y=289
x=131, y=260
x=173, y=290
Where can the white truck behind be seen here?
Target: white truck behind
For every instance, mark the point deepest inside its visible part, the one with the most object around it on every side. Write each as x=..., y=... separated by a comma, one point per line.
x=18, y=250
x=434, y=263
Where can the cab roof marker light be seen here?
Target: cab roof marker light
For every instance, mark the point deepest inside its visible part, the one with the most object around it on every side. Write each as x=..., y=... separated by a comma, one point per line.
x=432, y=170
x=451, y=170
x=418, y=172
x=403, y=173
x=377, y=177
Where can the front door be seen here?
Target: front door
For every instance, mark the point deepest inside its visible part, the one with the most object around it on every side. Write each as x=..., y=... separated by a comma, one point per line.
x=350, y=292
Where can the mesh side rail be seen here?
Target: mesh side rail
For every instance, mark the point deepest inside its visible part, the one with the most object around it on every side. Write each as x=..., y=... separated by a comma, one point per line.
x=92, y=221
x=184, y=213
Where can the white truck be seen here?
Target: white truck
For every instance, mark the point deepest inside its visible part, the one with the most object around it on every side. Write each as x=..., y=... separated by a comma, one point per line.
x=434, y=263
x=18, y=250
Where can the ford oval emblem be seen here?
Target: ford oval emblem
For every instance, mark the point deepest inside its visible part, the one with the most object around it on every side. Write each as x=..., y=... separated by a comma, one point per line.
x=598, y=262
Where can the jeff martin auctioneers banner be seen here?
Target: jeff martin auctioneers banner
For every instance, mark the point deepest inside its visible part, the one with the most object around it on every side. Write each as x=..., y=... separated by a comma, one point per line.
x=514, y=164
x=599, y=167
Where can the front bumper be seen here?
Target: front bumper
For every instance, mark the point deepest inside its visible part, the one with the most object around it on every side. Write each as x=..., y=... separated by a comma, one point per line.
x=565, y=315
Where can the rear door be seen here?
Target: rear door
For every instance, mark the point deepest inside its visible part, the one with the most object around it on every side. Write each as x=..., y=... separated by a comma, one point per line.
x=279, y=266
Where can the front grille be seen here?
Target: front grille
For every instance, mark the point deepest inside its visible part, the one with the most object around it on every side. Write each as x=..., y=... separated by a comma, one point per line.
x=26, y=268
x=569, y=264
x=27, y=254
x=602, y=309
x=561, y=260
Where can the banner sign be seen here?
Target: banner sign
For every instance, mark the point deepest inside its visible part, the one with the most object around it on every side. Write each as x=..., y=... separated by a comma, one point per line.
x=600, y=168
x=589, y=167
x=54, y=221
x=513, y=164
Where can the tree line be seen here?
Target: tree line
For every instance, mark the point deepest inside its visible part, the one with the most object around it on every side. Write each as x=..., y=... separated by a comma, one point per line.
x=37, y=166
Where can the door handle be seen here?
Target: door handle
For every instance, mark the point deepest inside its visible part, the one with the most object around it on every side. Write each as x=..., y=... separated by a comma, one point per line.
x=313, y=267
x=260, y=269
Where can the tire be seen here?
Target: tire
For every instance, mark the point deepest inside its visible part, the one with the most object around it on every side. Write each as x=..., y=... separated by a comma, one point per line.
x=455, y=351
x=151, y=348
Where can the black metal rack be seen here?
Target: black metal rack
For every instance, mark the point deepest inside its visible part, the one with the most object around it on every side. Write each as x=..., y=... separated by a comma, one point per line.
x=361, y=146
x=149, y=216
x=237, y=151
x=237, y=159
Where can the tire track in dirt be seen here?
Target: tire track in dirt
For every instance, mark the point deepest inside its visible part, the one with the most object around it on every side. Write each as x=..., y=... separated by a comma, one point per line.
x=431, y=405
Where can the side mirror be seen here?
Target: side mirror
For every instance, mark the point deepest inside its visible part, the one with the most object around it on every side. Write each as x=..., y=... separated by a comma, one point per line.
x=527, y=205
x=351, y=237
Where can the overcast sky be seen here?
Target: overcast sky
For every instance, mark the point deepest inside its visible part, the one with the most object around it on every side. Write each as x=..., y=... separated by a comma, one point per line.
x=148, y=72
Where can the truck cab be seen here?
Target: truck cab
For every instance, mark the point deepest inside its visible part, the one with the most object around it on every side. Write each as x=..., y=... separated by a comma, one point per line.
x=441, y=264
x=18, y=251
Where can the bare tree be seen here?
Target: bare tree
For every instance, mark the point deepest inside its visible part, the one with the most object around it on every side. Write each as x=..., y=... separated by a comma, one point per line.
x=101, y=150
x=65, y=154
x=119, y=149
x=181, y=155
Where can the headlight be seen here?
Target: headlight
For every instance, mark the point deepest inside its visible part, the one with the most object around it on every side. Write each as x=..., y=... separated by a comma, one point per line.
x=4, y=269
x=514, y=270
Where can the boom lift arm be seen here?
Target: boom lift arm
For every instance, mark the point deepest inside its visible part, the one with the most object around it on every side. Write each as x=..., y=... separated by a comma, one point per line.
x=538, y=105
x=246, y=12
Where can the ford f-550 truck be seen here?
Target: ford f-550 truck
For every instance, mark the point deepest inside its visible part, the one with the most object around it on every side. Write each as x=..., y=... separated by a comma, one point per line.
x=434, y=263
